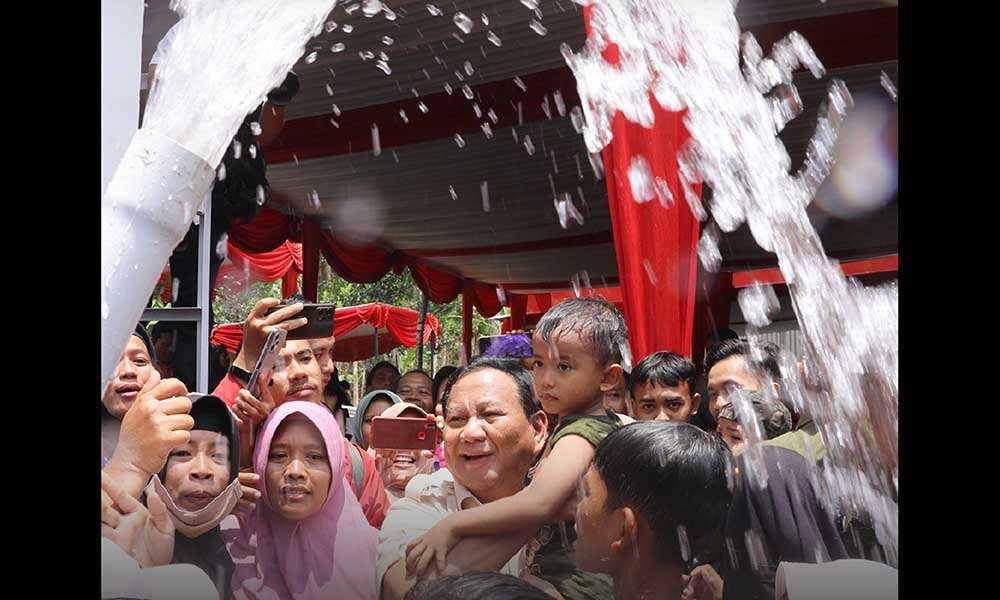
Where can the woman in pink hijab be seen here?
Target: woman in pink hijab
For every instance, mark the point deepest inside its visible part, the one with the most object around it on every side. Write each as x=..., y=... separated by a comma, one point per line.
x=307, y=538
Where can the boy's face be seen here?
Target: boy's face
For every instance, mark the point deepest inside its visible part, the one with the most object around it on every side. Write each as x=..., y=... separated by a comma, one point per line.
x=664, y=403
x=732, y=434
x=567, y=378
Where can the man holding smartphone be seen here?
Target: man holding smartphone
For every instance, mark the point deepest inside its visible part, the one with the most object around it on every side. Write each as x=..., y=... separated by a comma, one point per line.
x=300, y=379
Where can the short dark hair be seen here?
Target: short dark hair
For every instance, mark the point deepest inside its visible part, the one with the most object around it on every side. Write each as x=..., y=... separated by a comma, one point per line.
x=161, y=328
x=395, y=384
x=512, y=367
x=664, y=368
x=721, y=334
x=676, y=476
x=442, y=377
x=763, y=362
x=477, y=585
x=379, y=365
x=597, y=321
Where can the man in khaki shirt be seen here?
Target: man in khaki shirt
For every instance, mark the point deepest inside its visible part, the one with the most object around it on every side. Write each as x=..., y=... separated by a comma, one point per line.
x=494, y=428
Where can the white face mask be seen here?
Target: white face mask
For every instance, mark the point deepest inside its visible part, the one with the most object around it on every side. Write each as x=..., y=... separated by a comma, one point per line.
x=196, y=522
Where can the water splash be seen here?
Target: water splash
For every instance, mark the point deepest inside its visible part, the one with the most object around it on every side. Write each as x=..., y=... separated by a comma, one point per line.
x=463, y=22
x=691, y=55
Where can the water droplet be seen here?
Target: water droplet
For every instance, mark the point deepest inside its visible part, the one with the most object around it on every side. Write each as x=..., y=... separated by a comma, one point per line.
x=384, y=67
x=370, y=8
x=352, y=8
x=390, y=15
x=757, y=303
x=531, y=4
x=221, y=172
x=310, y=58
x=383, y=56
x=459, y=140
x=366, y=55
x=376, y=142
x=520, y=84
x=528, y=145
x=459, y=76
x=537, y=27
x=468, y=68
x=338, y=47
x=260, y=195
x=387, y=40
x=348, y=28
x=222, y=247
x=486, y=20
x=175, y=288
x=423, y=107
x=295, y=157
x=454, y=194
x=640, y=180
x=649, y=271
x=545, y=107
x=237, y=149
x=560, y=105
x=447, y=88
x=487, y=130
x=494, y=39
x=255, y=128
x=485, y=192
x=105, y=310
x=435, y=11
x=477, y=110
x=314, y=199
x=888, y=86
x=467, y=91
x=596, y=165
x=663, y=193
x=330, y=26
x=402, y=115
x=329, y=90
x=493, y=116
x=463, y=22
x=253, y=151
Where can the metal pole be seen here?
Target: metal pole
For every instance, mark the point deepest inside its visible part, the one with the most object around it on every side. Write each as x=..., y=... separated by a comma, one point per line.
x=420, y=331
x=204, y=294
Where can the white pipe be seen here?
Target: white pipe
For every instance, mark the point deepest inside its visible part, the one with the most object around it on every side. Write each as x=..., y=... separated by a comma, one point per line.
x=148, y=207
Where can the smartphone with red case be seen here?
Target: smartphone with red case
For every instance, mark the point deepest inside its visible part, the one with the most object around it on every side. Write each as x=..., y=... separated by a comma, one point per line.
x=404, y=433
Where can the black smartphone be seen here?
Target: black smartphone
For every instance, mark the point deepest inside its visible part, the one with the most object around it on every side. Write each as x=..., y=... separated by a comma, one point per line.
x=319, y=323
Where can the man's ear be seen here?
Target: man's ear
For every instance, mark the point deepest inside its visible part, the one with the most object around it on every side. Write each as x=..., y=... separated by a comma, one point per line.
x=695, y=403
x=611, y=376
x=627, y=534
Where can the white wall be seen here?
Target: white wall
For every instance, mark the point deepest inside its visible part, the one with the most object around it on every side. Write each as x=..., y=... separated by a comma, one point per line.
x=121, y=49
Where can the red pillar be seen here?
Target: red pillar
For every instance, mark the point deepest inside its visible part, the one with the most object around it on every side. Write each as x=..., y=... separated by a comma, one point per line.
x=310, y=258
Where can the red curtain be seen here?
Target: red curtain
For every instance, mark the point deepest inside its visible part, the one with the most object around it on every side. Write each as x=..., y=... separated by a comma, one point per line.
x=357, y=263
x=265, y=232
x=656, y=247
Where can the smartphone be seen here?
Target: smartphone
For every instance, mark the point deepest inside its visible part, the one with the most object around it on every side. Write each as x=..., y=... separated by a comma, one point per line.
x=319, y=323
x=265, y=364
x=404, y=433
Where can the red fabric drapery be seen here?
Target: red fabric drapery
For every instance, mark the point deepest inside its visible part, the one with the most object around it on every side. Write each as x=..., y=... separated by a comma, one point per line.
x=229, y=335
x=284, y=262
x=398, y=328
x=659, y=306
x=265, y=232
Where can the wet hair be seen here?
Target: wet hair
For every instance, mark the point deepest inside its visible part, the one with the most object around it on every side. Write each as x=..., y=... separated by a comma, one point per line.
x=395, y=384
x=512, y=367
x=442, y=377
x=379, y=365
x=767, y=364
x=676, y=476
x=477, y=585
x=595, y=320
x=664, y=368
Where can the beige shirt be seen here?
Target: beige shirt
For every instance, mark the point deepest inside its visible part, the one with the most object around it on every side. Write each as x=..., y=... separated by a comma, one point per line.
x=429, y=498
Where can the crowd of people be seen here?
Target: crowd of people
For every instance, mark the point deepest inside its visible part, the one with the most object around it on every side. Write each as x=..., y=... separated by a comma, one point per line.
x=558, y=473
